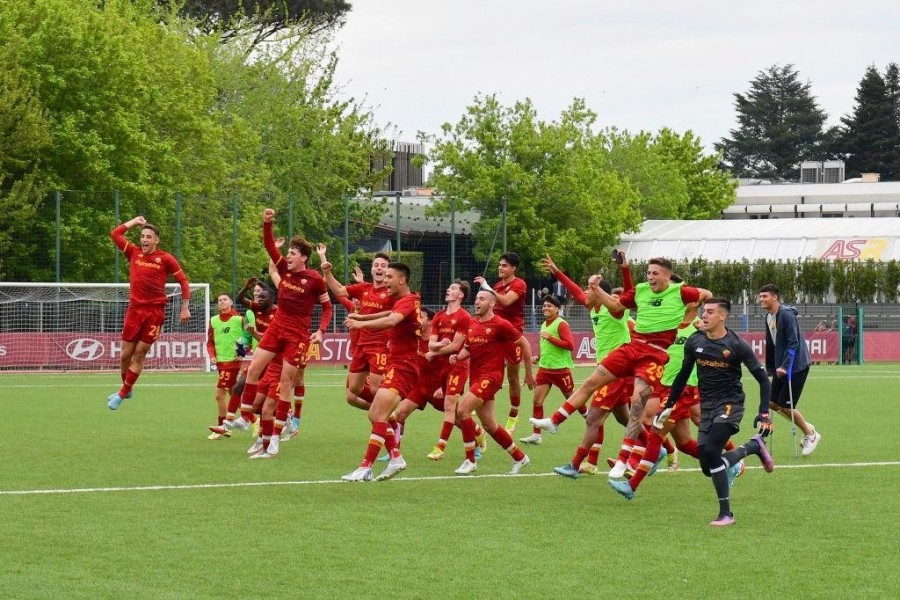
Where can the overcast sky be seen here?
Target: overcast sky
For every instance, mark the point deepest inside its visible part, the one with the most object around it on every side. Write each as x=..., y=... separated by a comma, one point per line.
x=639, y=65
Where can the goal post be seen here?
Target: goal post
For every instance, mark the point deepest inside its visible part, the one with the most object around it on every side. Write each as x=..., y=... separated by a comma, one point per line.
x=77, y=327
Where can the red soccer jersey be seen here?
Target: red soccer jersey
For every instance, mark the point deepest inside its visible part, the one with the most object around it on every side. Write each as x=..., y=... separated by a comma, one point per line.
x=405, y=335
x=149, y=272
x=263, y=318
x=663, y=339
x=445, y=326
x=371, y=300
x=486, y=341
x=515, y=312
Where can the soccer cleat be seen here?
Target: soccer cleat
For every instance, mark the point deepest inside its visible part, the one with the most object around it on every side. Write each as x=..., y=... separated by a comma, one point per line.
x=220, y=429
x=732, y=472
x=254, y=428
x=360, y=474
x=589, y=468
x=629, y=472
x=273, y=448
x=227, y=424
x=809, y=442
x=263, y=454
x=622, y=487
x=295, y=423
x=518, y=465
x=217, y=436
x=662, y=456
x=672, y=460
x=764, y=456
x=436, y=453
x=394, y=466
x=240, y=424
x=723, y=521
x=384, y=457
x=114, y=401
x=466, y=468
x=481, y=441
x=511, y=423
x=256, y=447
x=743, y=467
x=618, y=470
x=610, y=461
x=567, y=470
x=545, y=424
x=478, y=452
x=129, y=395
x=534, y=438
x=286, y=431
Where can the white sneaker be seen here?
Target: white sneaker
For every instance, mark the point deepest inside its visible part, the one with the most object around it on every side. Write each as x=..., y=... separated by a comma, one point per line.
x=466, y=468
x=228, y=424
x=360, y=474
x=519, y=465
x=273, y=445
x=545, y=424
x=287, y=430
x=809, y=442
x=534, y=438
x=240, y=424
x=256, y=447
x=263, y=454
x=618, y=470
x=394, y=466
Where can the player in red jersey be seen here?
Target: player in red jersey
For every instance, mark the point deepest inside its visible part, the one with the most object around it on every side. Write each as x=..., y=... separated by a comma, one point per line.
x=224, y=344
x=511, y=293
x=369, y=361
x=149, y=269
x=486, y=340
x=402, y=370
x=289, y=334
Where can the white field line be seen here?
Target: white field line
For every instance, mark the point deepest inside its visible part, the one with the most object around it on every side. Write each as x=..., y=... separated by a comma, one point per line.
x=249, y=484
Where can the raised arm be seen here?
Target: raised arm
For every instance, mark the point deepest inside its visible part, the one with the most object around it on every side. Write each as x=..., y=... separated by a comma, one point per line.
x=337, y=288
x=118, y=233
x=573, y=288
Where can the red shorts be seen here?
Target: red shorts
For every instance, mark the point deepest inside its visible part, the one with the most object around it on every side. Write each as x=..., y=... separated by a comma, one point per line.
x=143, y=323
x=228, y=374
x=513, y=354
x=561, y=378
x=611, y=395
x=455, y=379
x=270, y=382
x=371, y=359
x=483, y=388
x=292, y=345
x=639, y=360
x=423, y=394
x=690, y=396
x=401, y=379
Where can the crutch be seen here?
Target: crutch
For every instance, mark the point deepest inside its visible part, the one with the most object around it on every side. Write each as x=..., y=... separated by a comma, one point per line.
x=790, y=372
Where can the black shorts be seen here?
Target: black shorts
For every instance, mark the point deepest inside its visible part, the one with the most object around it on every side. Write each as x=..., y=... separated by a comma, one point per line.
x=780, y=395
x=729, y=414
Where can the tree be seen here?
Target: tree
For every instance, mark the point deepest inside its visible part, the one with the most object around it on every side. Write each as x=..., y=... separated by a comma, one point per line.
x=872, y=132
x=779, y=125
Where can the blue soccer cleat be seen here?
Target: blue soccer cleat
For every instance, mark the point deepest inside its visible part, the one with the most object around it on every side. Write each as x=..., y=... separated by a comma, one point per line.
x=478, y=452
x=129, y=395
x=732, y=472
x=384, y=457
x=622, y=487
x=114, y=400
x=567, y=470
x=662, y=456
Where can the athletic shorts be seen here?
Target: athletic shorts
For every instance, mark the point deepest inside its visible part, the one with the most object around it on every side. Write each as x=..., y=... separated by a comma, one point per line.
x=483, y=388
x=724, y=413
x=228, y=374
x=513, y=353
x=781, y=395
x=401, y=379
x=369, y=359
x=143, y=323
x=455, y=379
x=690, y=396
x=423, y=395
x=639, y=360
x=561, y=378
x=293, y=345
x=611, y=395
x=270, y=382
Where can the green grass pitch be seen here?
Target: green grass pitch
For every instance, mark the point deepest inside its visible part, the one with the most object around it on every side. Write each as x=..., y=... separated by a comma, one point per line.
x=139, y=504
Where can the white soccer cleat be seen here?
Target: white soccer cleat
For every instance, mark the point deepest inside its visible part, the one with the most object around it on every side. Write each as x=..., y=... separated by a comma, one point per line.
x=263, y=454
x=273, y=445
x=468, y=467
x=240, y=424
x=256, y=448
x=809, y=442
x=360, y=474
x=534, y=438
x=618, y=470
x=394, y=466
x=519, y=465
x=545, y=424
x=228, y=424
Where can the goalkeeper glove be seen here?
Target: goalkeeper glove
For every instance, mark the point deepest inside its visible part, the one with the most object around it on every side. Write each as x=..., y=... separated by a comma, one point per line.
x=241, y=350
x=660, y=419
x=763, y=424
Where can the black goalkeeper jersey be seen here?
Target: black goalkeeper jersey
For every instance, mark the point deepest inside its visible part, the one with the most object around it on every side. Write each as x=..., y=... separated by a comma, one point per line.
x=719, y=367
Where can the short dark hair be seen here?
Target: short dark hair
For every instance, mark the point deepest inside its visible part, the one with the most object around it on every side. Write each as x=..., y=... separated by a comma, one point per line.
x=302, y=246
x=428, y=312
x=151, y=227
x=771, y=288
x=382, y=255
x=553, y=300
x=675, y=278
x=463, y=287
x=399, y=266
x=511, y=257
x=723, y=303
x=606, y=287
x=662, y=262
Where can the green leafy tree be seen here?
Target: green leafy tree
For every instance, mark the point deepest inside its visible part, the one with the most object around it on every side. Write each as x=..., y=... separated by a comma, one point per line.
x=779, y=125
x=872, y=132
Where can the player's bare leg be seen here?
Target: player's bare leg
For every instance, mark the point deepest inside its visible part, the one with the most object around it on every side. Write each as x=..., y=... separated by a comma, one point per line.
x=634, y=430
x=537, y=412
x=485, y=412
x=579, y=398
x=261, y=359
x=130, y=374
x=515, y=395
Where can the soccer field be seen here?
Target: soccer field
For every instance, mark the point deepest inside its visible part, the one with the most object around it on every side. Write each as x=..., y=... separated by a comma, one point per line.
x=138, y=503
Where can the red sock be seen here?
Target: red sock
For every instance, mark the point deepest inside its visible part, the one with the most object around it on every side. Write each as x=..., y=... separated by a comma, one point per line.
x=392, y=443
x=690, y=448
x=729, y=446
x=281, y=413
x=582, y=410
x=514, y=402
x=221, y=419
x=266, y=427
x=299, y=391
x=467, y=426
x=625, y=450
x=594, y=453
x=502, y=437
x=298, y=407
x=247, y=398
x=562, y=413
x=130, y=379
x=579, y=457
x=376, y=443
x=446, y=432
x=234, y=403
x=366, y=394
x=538, y=413
x=651, y=455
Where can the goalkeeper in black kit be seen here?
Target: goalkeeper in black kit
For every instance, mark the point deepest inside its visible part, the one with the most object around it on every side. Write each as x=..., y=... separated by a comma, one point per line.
x=718, y=353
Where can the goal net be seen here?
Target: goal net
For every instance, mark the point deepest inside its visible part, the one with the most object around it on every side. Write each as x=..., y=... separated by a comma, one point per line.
x=72, y=326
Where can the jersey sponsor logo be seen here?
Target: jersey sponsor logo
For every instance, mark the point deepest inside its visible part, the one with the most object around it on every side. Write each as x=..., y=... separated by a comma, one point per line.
x=85, y=349
x=144, y=263
x=655, y=302
x=290, y=286
x=712, y=363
